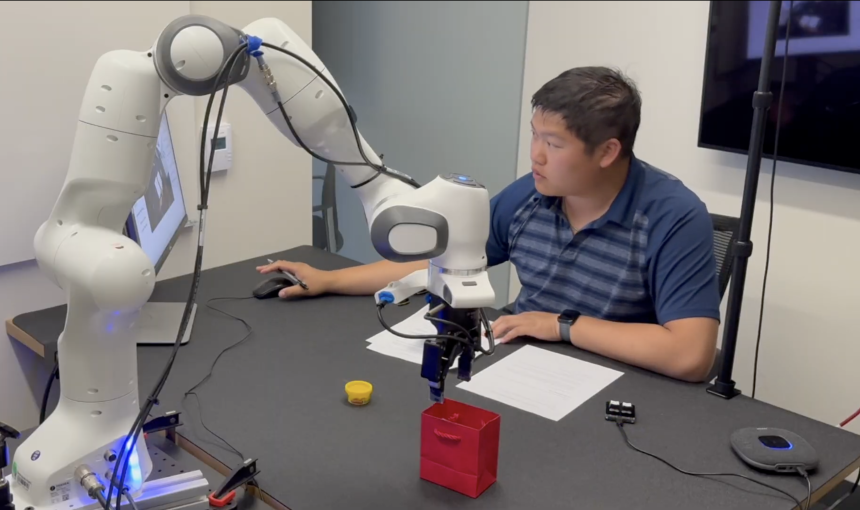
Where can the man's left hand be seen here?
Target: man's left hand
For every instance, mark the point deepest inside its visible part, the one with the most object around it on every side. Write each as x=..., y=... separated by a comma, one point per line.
x=540, y=325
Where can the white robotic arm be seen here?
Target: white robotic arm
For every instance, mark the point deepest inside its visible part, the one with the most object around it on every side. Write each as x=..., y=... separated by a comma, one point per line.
x=446, y=221
x=107, y=278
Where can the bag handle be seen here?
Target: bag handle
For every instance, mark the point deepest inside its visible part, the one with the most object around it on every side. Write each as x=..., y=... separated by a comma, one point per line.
x=445, y=435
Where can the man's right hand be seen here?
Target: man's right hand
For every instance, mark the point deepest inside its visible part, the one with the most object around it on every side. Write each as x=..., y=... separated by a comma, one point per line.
x=317, y=280
x=361, y=280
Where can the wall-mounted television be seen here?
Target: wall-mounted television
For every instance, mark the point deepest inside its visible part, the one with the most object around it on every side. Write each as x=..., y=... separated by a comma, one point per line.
x=820, y=121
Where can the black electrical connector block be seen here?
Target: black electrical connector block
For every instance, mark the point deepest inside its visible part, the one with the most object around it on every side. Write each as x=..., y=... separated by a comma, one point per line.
x=620, y=412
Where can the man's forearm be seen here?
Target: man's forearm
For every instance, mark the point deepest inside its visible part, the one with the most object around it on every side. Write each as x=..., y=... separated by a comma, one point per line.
x=367, y=279
x=649, y=346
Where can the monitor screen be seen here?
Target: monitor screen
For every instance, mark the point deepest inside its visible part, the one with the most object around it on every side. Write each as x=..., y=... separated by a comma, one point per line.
x=158, y=216
x=820, y=115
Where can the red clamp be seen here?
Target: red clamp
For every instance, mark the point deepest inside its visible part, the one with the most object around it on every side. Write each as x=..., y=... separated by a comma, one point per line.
x=226, y=492
x=222, y=502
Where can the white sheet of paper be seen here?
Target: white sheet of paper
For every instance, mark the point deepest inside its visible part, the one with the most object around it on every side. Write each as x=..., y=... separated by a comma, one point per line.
x=410, y=349
x=541, y=382
x=415, y=324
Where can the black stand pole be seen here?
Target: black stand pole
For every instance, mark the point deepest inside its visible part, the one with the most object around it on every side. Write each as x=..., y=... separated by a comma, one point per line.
x=724, y=386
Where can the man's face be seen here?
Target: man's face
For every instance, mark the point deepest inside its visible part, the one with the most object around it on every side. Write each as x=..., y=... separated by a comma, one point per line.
x=561, y=165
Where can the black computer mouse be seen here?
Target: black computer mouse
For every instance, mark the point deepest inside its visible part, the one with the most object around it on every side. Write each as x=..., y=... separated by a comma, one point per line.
x=270, y=288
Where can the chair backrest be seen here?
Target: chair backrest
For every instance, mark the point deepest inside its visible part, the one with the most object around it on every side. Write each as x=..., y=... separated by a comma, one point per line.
x=333, y=240
x=725, y=232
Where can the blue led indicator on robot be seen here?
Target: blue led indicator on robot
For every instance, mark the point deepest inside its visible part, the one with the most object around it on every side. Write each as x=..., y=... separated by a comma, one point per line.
x=134, y=466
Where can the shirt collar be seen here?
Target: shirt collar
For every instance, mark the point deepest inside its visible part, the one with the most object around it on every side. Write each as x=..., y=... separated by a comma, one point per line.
x=623, y=208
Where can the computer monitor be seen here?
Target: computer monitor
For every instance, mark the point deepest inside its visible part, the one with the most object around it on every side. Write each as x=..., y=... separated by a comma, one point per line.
x=158, y=216
x=155, y=222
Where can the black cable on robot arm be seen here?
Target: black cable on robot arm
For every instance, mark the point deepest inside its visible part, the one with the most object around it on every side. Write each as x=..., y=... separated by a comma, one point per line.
x=366, y=161
x=124, y=456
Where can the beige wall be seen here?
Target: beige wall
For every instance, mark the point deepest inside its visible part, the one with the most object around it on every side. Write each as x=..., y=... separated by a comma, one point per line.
x=48, y=53
x=261, y=205
x=809, y=341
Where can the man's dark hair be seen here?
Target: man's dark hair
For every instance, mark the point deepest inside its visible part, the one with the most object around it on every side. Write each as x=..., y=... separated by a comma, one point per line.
x=597, y=104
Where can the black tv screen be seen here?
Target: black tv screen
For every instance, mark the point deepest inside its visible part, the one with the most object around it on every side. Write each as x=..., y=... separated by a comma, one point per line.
x=820, y=120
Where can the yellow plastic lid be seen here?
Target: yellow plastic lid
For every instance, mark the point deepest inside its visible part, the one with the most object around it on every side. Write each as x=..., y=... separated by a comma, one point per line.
x=358, y=392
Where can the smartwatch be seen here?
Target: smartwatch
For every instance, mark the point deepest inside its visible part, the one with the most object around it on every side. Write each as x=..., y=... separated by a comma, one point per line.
x=565, y=321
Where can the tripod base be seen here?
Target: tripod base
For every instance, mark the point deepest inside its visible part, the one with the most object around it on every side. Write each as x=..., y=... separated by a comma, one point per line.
x=725, y=390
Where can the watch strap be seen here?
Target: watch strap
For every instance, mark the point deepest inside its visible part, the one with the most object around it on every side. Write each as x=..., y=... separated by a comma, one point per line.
x=564, y=329
x=565, y=320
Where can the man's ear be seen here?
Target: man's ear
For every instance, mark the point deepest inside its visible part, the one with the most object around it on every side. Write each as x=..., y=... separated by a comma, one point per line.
x=609, y=152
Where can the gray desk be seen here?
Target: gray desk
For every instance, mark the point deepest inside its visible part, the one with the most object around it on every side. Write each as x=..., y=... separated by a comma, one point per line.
x=279, y=397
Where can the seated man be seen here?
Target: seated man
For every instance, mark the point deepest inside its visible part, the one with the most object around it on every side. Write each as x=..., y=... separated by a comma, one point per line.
x=595, y=234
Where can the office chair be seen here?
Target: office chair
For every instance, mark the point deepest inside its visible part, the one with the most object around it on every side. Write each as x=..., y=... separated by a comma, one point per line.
x=725, y=232
x=325, y=230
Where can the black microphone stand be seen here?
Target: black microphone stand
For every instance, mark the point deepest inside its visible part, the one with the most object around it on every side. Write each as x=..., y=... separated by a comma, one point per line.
x=741, y=250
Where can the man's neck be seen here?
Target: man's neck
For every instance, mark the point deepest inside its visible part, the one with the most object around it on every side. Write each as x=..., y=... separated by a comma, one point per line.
x=583, y=209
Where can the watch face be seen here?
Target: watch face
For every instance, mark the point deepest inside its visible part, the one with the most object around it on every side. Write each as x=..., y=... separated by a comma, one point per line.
x=568, y=316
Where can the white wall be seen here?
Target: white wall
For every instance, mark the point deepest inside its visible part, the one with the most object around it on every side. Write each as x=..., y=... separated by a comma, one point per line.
x=40, y=94
x=260, y=206
x=809, y=341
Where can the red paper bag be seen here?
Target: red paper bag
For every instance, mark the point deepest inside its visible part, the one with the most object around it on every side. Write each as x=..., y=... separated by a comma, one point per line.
x=460, y=447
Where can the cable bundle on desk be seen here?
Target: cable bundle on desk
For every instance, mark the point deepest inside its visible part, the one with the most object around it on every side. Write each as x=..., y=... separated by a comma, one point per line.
x=205, y=378
x=622, y=413
x=707, y=474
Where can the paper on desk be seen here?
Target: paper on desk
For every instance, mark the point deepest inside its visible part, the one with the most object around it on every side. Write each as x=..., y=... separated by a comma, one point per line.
x=411, y=349
x=541, y=382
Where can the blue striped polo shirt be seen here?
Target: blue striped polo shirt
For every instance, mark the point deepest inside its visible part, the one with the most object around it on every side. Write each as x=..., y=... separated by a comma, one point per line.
x=649, y=259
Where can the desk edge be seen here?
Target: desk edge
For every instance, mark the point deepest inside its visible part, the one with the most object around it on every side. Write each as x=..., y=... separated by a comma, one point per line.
x=201, y=455
x=204, y=457
x=25, y=338
x=833, y=482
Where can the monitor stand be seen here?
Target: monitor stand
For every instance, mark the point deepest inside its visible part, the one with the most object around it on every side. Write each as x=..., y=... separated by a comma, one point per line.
x=158, y=323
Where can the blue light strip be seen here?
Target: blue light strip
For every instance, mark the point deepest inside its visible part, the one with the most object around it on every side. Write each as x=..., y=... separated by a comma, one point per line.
x=134, y=467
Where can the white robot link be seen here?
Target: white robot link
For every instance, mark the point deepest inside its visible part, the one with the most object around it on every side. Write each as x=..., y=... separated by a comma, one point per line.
x=67, y=461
